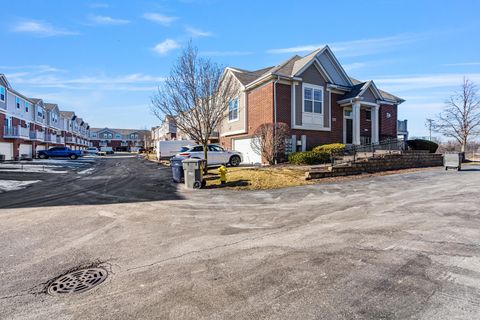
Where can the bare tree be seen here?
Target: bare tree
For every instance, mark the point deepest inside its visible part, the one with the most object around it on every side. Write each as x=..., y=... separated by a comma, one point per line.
x=196, y=94
x=269, y=140
x=460, y=119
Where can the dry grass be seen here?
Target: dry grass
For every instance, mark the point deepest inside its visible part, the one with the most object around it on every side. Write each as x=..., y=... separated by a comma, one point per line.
x=282, y=177
x=258, y=178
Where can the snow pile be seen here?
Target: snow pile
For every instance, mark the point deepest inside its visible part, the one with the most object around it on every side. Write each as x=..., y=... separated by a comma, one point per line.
x=11, y=185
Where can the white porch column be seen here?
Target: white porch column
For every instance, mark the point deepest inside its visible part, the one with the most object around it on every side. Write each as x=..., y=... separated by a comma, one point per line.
x=375, y=124
x=356, y=123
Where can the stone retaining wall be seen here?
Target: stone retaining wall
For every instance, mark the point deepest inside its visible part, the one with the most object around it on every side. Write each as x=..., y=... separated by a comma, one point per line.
x=383, y=163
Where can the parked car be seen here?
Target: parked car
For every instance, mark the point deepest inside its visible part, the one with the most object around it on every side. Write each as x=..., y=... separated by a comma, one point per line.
x=91, y=150
x=59, y=152
x=216, y=155
x=107, y=150
x=169, y=148
x=142, y=150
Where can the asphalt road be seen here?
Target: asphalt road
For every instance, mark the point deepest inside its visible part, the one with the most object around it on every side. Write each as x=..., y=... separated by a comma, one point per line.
x=101, y=180
x=404, y=246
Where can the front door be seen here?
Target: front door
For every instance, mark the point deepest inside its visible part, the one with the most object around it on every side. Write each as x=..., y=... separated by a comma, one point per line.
x=348, y=131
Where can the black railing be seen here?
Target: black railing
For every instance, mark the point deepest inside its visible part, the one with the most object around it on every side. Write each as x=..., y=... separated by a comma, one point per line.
x=352, y=153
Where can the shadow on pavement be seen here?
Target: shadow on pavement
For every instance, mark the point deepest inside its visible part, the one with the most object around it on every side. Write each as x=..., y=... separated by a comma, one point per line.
x=110, y=180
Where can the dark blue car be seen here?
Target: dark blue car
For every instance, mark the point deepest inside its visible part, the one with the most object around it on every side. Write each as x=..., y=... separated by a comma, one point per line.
x=59, y=152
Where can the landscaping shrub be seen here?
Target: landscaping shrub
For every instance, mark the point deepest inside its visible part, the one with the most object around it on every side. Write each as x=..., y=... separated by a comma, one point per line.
x=420, y=144
x=308, y=157
x=329, y=148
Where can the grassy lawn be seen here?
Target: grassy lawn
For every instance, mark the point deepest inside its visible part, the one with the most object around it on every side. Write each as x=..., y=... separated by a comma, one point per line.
x=257, y=178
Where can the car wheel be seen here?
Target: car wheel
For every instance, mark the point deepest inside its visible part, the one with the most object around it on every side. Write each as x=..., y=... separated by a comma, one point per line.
x=235, y=161
x=42, y=156
x=73, y=156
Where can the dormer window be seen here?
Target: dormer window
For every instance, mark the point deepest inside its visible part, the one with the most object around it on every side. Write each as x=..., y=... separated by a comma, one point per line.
x=17, y=102
x=26, y=106
x=2, y=94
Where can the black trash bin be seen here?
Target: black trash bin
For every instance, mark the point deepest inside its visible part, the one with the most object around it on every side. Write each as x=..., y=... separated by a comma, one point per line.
x=177, y=169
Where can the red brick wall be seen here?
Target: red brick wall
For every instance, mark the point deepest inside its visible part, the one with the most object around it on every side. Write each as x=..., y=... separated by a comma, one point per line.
x=365, y=125
x=260, y=110
x=388, y=126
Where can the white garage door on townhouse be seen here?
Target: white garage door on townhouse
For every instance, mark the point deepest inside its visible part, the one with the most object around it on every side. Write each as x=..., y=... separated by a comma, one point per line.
x=6, y=149
x=244, y=146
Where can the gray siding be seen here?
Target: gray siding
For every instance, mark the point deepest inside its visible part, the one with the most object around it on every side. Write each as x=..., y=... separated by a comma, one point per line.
x=368, y=96
x=332, y=71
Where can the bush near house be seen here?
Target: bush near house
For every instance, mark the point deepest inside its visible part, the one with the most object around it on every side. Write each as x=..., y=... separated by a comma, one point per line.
x=420, y=144
x=308, y=157
x=329, y=148
x=319, y=154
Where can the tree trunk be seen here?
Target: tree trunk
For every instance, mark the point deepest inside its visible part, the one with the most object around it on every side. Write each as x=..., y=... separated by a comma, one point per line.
x=205, y=150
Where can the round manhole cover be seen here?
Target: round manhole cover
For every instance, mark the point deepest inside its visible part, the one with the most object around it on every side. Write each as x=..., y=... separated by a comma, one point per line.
x=78, y=281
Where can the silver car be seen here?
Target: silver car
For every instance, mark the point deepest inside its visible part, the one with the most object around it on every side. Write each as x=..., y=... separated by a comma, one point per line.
x=216, y=155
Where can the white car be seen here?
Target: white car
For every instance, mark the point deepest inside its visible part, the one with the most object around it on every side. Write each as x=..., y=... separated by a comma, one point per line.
x=91, y=150
x=216, y=155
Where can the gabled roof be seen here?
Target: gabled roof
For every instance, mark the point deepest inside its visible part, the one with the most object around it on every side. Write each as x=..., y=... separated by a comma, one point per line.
x=67, y=114
x=51, y=106
x=120, y=131
x=5, y=80
x=35, y=100
x=328, y=65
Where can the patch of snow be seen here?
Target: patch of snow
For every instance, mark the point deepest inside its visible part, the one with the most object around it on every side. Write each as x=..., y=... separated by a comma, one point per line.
x=86, y=171
x=18, y=167
x=11, y=185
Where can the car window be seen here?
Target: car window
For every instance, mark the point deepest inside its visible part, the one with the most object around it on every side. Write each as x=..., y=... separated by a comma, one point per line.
x=215, y=148
x=183, y=149
x=197, y=149
x=55, y=149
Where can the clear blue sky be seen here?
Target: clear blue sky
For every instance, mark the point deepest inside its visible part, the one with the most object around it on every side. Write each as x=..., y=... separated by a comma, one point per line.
x=104, y=59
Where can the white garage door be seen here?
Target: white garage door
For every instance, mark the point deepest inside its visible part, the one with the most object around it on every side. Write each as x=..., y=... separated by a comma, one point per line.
x=26, y=149
x=244, y=146
x=6, y=148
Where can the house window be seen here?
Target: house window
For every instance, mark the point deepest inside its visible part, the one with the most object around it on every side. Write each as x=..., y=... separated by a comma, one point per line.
x=347, y=113
x=26, y=106
x=389, y=115
x=110, y=135
x=2, y=94
x=233, y=110
x=368, y=114
x=17, y=102
x=313, y=99
x=117, y=136
x=94, y=135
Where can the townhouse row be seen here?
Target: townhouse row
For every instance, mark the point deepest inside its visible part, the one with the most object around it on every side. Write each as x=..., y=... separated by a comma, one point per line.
x=28, y=125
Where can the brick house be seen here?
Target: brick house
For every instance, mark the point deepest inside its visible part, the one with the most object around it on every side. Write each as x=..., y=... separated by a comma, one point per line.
x=28, y=125
x=315, y=97
x=119, y=139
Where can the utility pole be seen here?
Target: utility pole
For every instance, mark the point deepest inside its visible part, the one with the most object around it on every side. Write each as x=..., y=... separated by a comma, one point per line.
x=429, y=123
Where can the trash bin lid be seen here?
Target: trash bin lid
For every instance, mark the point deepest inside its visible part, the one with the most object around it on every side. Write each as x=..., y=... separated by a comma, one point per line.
x=192, y=160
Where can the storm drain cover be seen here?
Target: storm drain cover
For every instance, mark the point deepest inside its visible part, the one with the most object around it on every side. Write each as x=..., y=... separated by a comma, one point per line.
x=78, y=281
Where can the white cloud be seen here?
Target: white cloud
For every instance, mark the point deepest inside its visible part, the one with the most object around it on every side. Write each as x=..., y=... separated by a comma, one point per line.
x=51, y=78
x=416, y=82
x=225, y=53
x=354, y=66
x=197, y=32
x=159, y=18
x=166, y=46
x=99, y=5
x=40, y=28
x=354, y=48
x=462, y=64
x=106, y=20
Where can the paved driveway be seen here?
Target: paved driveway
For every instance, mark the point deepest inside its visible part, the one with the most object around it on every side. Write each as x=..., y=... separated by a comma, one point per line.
x=393, y=247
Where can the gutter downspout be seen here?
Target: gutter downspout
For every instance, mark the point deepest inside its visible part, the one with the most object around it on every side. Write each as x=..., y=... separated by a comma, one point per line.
x=275, y=117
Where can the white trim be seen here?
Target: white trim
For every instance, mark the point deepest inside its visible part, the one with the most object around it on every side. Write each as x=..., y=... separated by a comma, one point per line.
x=365, y=103
x=293, y=103
x=344, y=117
x=321, y=115
x=231, y=133
x=329, y=108
x=4, y=94
x=311, y=128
